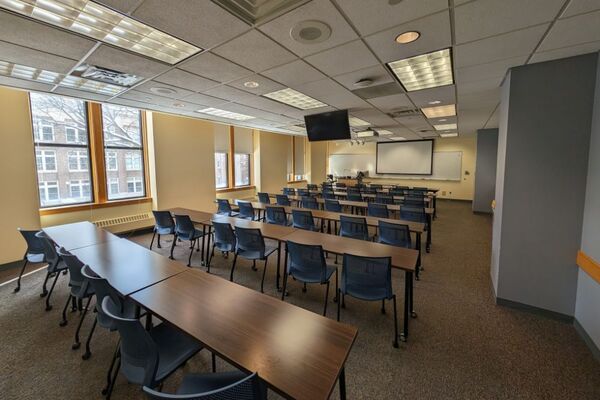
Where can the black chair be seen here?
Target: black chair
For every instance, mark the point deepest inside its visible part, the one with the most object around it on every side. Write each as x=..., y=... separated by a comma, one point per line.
x=369, y=190
x=414, y=214
x=276, y=215
x=340, y=185
x=224, y=240
x=303, y=219
x=376, y=186
x=354, y=195
x=302, y=192
x=328, y=194
x=164, y=225
x=415, y=202
x=307, y=264
x=55, y=267
x=283, y=200
x=224, y=208
x=332, y=205
x=378, y=210
x=186, y=230
x=384, y=198
x=312, y=186
x=289, y=191
x=394, y=234
x=396, y=192
x=33, y=254
x=232, y=385
x=148, y=357
x=246, y=210
x=251, y=246
x=354, y=227
x=370, y=279
x=264, y=198
x=309, y=202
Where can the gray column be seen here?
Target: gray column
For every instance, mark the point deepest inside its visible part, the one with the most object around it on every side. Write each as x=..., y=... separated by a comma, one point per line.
x=485, y=170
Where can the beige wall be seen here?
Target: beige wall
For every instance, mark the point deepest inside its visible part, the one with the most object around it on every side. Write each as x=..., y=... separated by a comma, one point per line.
x=19, y=202
x=318, y=162
x=273, y=161
x=462, y=190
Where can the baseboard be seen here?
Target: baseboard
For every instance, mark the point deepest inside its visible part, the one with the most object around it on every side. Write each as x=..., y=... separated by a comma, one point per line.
x=11, y=265
x=451, y=199
x=587, y=339
x=535, y=310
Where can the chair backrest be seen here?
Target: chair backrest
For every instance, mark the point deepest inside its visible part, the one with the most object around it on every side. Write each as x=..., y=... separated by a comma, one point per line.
x=412, y=201
x=50, y=254
x=369, y=278
x=375, y=186
x=309, y=202
x=413, y=214
x=102, y=289
x=354, y=227
x=394, y=234
x=302, y=192
x=248, y=388
x=223, y=207
x=353, y=189
x=282, y=200
x=184, y=227
x=369, y=190
x=224, y=235
x=396, y=192
x=163, y=219
x=139, y=353
x=74, y=266
x=264, y=198
x=420, y=189
x=339, y=184
x=312, y=186
x=246, y=209
x=34, y=244
x=289, y=191
x=303, y=219
x=250, y=239
x=354, y=196
x=384, y=198
x=378, y=210
x=306, y=260
x=332, y=205
x=276, y=215
x=328, y=194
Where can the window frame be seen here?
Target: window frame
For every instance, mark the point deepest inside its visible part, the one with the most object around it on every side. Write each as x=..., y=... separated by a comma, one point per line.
x=226, y=170
x=231, y=187
x=235, y=185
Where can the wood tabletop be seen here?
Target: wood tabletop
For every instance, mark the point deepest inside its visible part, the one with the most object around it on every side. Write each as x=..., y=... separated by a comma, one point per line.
x=79, y=234
x=402, y=258
x=196, y=216
x=299, y=354
x=127, y=266
x=270, y=231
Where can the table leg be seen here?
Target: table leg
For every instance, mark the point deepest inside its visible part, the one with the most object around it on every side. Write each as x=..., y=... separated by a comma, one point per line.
x=148, y=320
x=342, y=382
x=208, y=243
x=434, y=207
x=278, y=263
x=428, y=245
x=418, y=247
x=413, y=314
x=203, y=260
x=285, y=263
x=407, y=306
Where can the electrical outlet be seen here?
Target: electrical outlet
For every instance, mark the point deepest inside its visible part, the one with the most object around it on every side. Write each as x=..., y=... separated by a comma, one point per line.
x=443, y=192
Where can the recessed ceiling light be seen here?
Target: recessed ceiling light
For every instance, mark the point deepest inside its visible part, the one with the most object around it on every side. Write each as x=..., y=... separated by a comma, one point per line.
x=444, y=127
x=162, y=90
x=179, y=105
x=440, y=111
x=434, y=102
x=384, y=132
x=354, y=122
x=398, y=138
x=102, y=23
x=442, y=120
x=424, y=71
x=367, y=133
x=407, y=37
x=310, y=31
x=251, y=84
x=225, y=114
x=294, y=98
x=447, y=135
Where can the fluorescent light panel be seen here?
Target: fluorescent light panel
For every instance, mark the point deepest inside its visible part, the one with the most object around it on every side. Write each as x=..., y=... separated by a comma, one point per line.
x=354, y=122
x=445, y=127
x=365, y=134
x=398, y=138
x=440, y=111
x=294, y=98
x=54, y=78
x=225, y=114
x=101, y=23
x=384, y=132
x=446, y=135
x=424, y=71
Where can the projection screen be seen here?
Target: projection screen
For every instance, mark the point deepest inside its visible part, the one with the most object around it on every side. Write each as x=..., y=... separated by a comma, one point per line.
x=406, y=157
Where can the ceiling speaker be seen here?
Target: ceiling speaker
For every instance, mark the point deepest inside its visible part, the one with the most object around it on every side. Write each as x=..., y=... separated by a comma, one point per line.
x=311, y=31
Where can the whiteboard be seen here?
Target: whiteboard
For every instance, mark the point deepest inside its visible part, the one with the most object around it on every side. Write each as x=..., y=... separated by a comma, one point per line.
x=447, y=166
x=410, y=157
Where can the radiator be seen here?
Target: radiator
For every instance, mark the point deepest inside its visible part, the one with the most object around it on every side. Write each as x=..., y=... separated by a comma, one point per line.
x=129, y=222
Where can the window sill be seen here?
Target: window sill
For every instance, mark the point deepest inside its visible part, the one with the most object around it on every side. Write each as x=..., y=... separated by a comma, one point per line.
x=93, y=206
x=235, y=189
x=300, y=181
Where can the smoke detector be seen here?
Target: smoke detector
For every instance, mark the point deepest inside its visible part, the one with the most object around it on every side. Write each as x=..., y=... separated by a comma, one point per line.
x=310, y=32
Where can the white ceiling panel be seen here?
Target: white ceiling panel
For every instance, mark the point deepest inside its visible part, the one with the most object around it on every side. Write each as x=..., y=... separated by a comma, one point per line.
x=267, y=104
x=376, y=73
x=229, y=93
x=183, y=79
x=508, y=45
x=265, y=85
x=392, y=102
x=472, y=120
x=374, y=16
x=123, y=6
x=148, y=98
x=569, y=51
x=112, y=58
x=33, y=58
x=202, y=23
x=25, y=32
x=375, y=117
x=81, y=94
x=444, y=120
x=345, y=58
x=494, y=120
x=435, y=35
x=319, y=10
x=255, y=51
x=332, y=93
x=204, y=100
x=214, y=67
x=444, y=94
x=572, y=31
x=581, y=6
x=484, y=18
x=294, y=73
x=415, y=123
x=476, y=101
x=178, y=92
x=491, y=70
x=23, y=84
x=479, y=86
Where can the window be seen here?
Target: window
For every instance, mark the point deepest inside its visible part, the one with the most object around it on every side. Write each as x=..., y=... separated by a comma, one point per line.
x=242, y=169
x=123, y=144
x=221, y=170
x=60, y=131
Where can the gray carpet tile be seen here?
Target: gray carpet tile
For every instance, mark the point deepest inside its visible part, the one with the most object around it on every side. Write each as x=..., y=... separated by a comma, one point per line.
x=461, y=346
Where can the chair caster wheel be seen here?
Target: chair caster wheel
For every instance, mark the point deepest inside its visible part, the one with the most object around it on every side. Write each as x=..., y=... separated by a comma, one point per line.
x=395, y=344
x=43, y=294
x=383, y=312
x=65, y=271
x=75, y=346
x=16, y=290
x=171, y=258
x=48, y=308
x=402, y=338
x=104, y=391
x=303, y=290
x=86, y=356
x=62, y=323
x=413, y=314
x=254, y=269
x=335, y=299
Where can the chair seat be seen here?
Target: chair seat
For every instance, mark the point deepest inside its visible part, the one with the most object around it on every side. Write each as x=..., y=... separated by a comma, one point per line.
x=228, y=214
x=255, y=255
x=192, y=235
x=224, y=246
x=168, y=230
x=313, y=276
x=35, y=258
x=76, y=291
x=363, y=293
x=202, y=383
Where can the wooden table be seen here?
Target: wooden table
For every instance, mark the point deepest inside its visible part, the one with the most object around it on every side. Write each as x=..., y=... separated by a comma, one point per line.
x=79, y=234
x=127, y=266
x=299, y=354
x=402, y=258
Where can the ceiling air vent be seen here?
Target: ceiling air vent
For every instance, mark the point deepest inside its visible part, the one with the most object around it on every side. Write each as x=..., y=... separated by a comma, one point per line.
x=258, y=11
x=105, y=75
x=405, y=112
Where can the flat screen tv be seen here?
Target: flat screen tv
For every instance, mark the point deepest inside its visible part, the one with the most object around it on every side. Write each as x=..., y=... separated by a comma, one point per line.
x=332, y=125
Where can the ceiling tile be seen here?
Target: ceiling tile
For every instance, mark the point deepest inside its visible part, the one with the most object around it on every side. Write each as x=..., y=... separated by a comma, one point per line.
x=229, y=93
x=573, y=31
x=375, y=117
x=294, y=73
x=479, y=86
x=123, y=6
x=183, y=79
x=80, y=94
x=332, y=93
x=33, y=58
x=151, y=99
x=119, y=60
x=581, y=6
x=484, y=18
x=25, y=32
x=445, y=94
x=264, y=103
x=255, y=51
x=214, y=67
x=373, y=16
x=376, y=73
x=393, y=102
x=491, y=70
x=178, y=92
x=204, y=100
x=24, y=84
x=316, y=10
x=345, y=58
x=265, y=85
x=202, y=23
x=513, y=44
x=416, y=123
x=435, y=35
x=563, y=52
x=476, y=101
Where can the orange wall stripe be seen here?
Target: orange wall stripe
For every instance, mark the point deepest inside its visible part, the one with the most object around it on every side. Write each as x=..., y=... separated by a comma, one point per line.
x=589, y=265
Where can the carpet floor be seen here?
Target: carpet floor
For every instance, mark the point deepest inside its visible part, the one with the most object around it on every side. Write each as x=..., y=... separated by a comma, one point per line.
x=461, y=346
